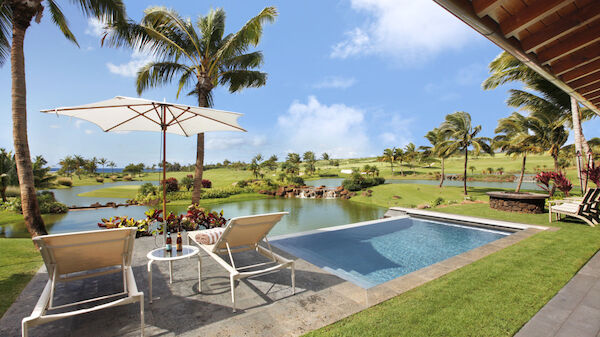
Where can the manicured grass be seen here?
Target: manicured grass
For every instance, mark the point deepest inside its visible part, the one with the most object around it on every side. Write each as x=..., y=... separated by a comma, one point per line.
x=494, y=296
x=19, y=260
x=231, y=198
x=123, y=191
x=9, y=216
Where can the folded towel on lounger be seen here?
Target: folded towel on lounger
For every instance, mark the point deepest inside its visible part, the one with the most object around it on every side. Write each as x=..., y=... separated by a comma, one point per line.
x=209, y=236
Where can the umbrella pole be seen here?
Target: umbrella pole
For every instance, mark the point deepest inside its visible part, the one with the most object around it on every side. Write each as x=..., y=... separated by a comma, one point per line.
x=164, y=177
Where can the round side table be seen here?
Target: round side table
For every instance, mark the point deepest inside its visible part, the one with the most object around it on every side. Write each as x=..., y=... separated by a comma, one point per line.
x=161, y=254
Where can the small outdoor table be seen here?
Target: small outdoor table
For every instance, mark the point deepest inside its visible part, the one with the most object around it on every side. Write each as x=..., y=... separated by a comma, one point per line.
x=161, y=254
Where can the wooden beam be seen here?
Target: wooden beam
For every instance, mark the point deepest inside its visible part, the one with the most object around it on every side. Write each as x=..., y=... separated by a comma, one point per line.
x=530, y=15
x=570, y=44
x=589, y=88
x=562, y=27
x=593, y=96
x=596, y=102
x=587, y=80
x=485, y=7
x=581, y=72
x=577, y=59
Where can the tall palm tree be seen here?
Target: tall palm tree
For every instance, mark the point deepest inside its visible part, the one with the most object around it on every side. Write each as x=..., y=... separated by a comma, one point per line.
x=16, y=16
x=102, y=162
x=462, y=135
x=199, y=56
x=506, y=68
x=390, y=156
x=437, y=138
x=410, y=152
x=400, y=157
x=514, y=139
x=548, y=133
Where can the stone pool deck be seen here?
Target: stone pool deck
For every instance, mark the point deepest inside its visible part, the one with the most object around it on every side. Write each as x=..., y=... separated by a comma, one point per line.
x=266, y=306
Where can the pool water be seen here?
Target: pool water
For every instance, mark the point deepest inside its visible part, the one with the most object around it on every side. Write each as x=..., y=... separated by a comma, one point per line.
x=374, y=253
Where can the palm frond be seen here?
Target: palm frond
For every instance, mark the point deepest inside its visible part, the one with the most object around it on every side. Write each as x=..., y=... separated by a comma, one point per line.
x=59, y=19
x=239, y=79
x=157, y=73
x=5, y=30
x=110, y=11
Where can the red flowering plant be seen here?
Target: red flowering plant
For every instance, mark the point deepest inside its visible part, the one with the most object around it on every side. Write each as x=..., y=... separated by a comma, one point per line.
x=193, y=219
x=562, y=183
x=206, y=183
x=172, y=184
x=593, y=173
x=543, y=180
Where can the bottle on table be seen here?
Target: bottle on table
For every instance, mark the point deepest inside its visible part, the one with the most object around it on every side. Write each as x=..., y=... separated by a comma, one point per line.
x=168, y=243
x=179, y=242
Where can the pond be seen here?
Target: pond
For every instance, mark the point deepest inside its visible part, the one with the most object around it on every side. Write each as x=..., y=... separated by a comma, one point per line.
x=305, y=214
x=69, y=196
x=334, y=182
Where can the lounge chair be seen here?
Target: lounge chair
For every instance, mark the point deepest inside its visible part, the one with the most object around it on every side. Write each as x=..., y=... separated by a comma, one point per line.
x=242, y=234
x=81, y=255
x=586, y=209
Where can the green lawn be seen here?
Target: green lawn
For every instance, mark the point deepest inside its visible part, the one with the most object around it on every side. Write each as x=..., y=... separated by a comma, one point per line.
x=19, y=260
x=123, y=191
x=494, y=296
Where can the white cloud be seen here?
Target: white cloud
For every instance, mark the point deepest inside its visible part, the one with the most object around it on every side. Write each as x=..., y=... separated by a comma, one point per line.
x=388, y=138
x=336, y=129
x=396, y=130
x=130, y=69
x=411, y=31
x=95, y=27
x=258, y=141
x=226, y=142
x=88, y=131
x=78, y=123
x=335, y=82
x=54, y=126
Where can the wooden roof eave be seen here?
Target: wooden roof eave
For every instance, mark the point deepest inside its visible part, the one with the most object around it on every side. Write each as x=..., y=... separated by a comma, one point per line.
x=487, y=27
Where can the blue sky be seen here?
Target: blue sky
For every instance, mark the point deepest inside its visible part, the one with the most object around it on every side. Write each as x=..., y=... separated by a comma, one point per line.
x=347, y=77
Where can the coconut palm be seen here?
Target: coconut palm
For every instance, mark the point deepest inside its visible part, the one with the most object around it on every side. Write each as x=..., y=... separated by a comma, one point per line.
x=506, y=68
x=548, y=133
x=6, y=165
x=199, y=56
x=462, y=135
x=515, y=140
x=389, y=157
x=102, y=162
x=15, y=18
x=472, y=169
x=410, y=152
x=400, y=157
x=438, y=148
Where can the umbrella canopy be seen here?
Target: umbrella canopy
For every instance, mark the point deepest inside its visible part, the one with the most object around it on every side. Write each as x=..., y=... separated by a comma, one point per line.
x=137, y=114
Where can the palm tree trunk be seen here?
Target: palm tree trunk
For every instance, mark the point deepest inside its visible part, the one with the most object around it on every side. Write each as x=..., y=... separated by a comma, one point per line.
x=518, y=189
x=465, y=170
x=443, y=177
x=401, y=171
x=3, y=193
x=578, y=135
x=31, y=210
x=199, y=167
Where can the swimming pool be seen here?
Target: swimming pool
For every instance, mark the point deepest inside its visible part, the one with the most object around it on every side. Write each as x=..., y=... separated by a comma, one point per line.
x=375, y=252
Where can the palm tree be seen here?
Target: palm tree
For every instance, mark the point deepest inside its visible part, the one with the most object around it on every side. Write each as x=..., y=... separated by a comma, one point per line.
x=390, y=156
x=514, y=139
x=472, y=168
x=410, y=152
x=102, y=162
x=6, y=165
x=16, y=16
x=437, y=138
x=548, y=133
x=462, y=135
x=112, y=166
x=325, y=156
x=201, y=56
x=506, y=68
x=400, y=157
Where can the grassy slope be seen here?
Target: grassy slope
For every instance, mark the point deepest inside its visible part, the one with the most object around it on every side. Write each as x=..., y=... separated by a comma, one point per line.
x=19, y=260
x=123, y=191
x=494, y=296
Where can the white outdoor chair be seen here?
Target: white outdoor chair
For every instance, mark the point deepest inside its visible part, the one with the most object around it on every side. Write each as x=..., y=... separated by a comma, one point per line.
x=75, y=256
x=586, y=209
x=242, y=234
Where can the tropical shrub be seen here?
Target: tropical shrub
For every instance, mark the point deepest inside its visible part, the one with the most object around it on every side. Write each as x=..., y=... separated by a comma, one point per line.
x=65, y=181
x=357, y=182
x=188, y=181
x=128, y=178
x=46, y=201
x=100, y=179
x=206, y=183
x=147, y=188
x=114, y=178
x=172, y=185
x=562, y=183
x=543, y=180
x=438, y=201
x=296, y=180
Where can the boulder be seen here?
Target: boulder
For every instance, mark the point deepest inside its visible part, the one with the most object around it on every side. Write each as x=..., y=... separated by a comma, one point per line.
x=423, y=206
x=396, y=197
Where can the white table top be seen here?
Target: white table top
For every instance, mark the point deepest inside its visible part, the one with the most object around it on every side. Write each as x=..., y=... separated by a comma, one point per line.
x=160, y=254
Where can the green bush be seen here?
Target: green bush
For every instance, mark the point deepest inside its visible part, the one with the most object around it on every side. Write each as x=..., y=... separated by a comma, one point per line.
x=358, y=181
x=296, y=180
x=147, y=188
x=64, y=181
x=99, y=179
x=438, y=201
x=46, y=201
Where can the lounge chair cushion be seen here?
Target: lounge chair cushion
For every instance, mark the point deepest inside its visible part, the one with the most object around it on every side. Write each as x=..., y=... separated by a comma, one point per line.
x=209, y=236
x=566, y=208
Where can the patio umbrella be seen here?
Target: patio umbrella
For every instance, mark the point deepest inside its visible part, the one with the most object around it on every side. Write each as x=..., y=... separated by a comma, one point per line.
x=136, y=114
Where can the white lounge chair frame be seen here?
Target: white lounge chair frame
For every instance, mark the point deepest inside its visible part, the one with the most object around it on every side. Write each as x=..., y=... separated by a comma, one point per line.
x=243, y=234
x=586, y=209
x=75, y=256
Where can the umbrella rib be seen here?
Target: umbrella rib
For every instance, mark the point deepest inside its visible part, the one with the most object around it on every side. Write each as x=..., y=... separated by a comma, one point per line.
x=213, y=119
x=134, y=117
x=91, y=107
x=175, y=119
